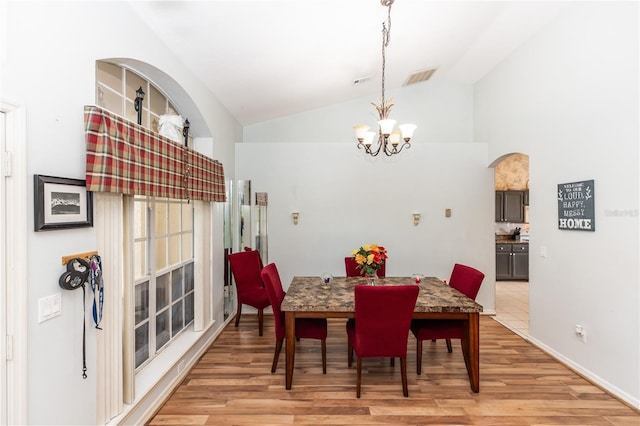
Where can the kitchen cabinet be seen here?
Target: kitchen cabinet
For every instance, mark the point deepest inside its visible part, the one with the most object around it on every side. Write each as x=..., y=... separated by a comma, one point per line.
x=512, y=261
x=510, y=206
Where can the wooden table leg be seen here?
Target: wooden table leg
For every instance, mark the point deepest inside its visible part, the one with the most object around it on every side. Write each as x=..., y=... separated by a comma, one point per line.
x=471, y=348
x=290, y=337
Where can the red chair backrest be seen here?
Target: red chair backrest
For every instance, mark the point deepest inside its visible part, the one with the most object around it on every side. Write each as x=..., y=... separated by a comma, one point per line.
x=351, y=268
x=245, y=266
x=260, y=257
x=273, y=285
x=466, y=280
x=383, y=316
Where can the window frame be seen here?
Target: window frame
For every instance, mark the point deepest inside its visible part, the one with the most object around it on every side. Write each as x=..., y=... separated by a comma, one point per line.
x=150, y=274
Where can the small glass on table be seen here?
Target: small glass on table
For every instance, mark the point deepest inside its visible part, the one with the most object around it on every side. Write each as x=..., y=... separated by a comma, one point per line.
x=326, y=279
x=417, y=278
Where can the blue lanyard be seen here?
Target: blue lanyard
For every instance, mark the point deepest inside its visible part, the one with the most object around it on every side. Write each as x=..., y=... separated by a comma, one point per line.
x=97, y=286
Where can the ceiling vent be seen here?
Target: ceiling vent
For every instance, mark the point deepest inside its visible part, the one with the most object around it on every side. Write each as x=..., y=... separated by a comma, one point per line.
x=420, y=76
x=361, y=80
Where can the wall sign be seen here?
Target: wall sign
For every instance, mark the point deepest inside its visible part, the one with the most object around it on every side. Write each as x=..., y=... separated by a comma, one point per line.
x=576, y=206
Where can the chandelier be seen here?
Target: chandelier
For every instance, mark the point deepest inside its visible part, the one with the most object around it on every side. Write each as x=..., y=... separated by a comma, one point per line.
x=388, y=138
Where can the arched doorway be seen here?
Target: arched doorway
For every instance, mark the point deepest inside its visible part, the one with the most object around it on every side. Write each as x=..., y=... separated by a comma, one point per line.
x=511, y=180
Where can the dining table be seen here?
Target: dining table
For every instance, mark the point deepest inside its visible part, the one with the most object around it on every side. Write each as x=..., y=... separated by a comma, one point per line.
x=311, y=297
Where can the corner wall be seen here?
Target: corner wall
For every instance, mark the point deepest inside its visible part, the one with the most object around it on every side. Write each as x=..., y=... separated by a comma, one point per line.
x=569, y=98
x=49, y=67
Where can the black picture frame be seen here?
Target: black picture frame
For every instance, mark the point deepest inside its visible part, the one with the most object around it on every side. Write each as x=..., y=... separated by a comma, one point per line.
x=61, y=203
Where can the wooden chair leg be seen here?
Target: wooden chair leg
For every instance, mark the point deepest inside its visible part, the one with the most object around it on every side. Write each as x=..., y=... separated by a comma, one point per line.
x=260, y=321
x=359, y=376
x=238, y=313
x=403, y=370
x=276, y=355
x=349, y=353
x=449, y=345
x=419, y=357
x=324, y=356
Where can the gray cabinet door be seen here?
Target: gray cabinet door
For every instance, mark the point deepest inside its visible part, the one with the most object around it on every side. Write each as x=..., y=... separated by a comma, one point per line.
x=503, y=266
x=520, y=262
x=499, y=205
x=503, y=261
x=513, y=206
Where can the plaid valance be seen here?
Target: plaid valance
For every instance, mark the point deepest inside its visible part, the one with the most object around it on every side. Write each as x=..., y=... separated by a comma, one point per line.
x=127, y=158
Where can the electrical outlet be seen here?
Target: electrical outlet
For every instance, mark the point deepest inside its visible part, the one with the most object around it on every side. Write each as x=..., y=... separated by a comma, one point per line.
x=581, y=333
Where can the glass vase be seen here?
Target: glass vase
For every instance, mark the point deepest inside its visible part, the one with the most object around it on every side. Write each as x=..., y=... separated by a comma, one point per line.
x=372, y=279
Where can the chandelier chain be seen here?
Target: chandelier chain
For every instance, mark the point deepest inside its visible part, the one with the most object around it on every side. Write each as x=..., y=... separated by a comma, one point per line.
x=388, y=140
x=386, y=36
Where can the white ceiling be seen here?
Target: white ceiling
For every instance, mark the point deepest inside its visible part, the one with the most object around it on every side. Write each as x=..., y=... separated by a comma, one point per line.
x=265, y=59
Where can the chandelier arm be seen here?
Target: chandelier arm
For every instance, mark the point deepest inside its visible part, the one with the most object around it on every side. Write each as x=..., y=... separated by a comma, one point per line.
x=397, y=151
x=380, y=145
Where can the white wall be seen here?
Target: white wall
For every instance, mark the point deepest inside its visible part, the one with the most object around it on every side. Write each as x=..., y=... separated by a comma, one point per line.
x=443, y=112
x=346, y=199
x=49, y=67
x=569, y=99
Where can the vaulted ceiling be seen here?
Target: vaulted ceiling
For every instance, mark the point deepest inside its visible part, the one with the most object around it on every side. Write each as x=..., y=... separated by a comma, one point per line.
x=265, y=59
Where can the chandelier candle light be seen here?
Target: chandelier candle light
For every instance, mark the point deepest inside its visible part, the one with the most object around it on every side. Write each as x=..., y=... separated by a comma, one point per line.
x=388, y=139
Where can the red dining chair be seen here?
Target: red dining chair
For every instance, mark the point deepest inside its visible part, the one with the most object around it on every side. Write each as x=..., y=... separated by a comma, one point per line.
x=245, y=266
x=381, y=327
x=467, y=281
x=259, y=257
x=351, y=268
x=306, y=328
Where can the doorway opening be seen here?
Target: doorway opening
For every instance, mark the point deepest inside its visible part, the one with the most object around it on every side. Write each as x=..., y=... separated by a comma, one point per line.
x=13, y=268
x=511, y=228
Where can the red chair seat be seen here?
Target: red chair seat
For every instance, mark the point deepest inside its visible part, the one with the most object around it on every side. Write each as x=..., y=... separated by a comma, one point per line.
x=246, y=267
x=306, y=328
x=257, y=298
x=437, y=329
x=467, y=281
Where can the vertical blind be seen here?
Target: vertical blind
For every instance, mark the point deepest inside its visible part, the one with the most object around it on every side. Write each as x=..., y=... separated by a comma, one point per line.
x=126, y=158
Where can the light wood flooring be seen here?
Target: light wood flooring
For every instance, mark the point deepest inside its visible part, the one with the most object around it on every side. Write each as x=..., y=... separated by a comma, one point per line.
x=519, y=385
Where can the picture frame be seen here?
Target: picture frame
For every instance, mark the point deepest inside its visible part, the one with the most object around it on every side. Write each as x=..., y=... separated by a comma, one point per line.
x=61, y=203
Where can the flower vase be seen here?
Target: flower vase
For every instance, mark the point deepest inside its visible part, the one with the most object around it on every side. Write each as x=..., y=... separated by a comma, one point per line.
x=372, y=279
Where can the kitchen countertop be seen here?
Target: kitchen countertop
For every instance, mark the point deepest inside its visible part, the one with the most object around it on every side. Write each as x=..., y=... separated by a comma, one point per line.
x=508, y=239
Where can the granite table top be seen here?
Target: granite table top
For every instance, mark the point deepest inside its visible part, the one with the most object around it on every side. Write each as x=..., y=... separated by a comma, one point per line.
x=310, y=294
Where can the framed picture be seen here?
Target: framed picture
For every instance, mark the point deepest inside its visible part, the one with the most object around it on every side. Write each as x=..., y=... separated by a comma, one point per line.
x=61, y=203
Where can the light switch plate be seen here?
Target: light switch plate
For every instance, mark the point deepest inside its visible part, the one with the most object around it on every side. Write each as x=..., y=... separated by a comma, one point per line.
x=49, y=307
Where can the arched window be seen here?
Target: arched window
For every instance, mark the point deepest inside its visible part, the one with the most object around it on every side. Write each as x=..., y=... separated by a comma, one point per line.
x=161, y=240
x=116, y=92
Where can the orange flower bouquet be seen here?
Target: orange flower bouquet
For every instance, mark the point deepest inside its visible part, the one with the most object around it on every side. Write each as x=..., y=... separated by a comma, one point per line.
x=370, y=258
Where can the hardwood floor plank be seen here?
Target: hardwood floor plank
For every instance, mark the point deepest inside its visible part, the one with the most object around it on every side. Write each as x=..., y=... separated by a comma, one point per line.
x=519, y=385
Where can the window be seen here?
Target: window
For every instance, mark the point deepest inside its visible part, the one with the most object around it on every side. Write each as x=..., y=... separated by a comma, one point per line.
x=163, y=273
x=116, y=92
x=163, y=236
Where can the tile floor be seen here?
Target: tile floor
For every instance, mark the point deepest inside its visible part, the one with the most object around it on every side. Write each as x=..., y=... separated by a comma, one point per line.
x=512, y=306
